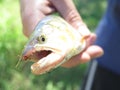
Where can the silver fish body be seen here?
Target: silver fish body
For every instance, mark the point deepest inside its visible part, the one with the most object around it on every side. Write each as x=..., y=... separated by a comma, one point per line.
x=52, y=43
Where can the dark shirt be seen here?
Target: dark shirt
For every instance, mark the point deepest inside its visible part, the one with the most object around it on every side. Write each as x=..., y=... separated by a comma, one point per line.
x=108, y=33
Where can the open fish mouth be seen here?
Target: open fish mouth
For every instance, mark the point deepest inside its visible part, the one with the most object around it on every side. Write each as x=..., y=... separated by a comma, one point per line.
x=34, y=55
x=44, y=58
x=40, y=54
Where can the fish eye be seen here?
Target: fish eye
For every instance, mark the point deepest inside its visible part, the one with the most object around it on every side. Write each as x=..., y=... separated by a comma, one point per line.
x=41, y=39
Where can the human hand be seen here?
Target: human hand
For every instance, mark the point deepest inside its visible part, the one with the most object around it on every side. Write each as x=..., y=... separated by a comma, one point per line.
x=32, y=11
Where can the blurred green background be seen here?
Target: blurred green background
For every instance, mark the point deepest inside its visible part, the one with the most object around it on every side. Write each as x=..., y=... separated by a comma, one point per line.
x=12, y=42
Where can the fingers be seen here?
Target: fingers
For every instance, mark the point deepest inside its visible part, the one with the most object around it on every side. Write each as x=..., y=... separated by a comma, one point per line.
x=32, y=12
x=83, y=29
x=91, y=38
x=30, y=20
x=69, y=12
x=94, y=51
x=90, y=53
x=46, y=7
x=29, y=15
x=48, y=10
x=41, y=8
x=76, y=60
x=67, y=9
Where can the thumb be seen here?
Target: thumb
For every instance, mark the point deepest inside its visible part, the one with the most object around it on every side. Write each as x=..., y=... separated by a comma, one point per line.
x=68, y=11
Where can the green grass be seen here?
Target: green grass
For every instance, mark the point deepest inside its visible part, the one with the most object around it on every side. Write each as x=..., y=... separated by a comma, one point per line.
x=12, y=42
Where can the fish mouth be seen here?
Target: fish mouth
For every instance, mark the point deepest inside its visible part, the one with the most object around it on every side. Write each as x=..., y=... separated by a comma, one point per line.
x=44, y=58
x=35, y=54
x=40, y=54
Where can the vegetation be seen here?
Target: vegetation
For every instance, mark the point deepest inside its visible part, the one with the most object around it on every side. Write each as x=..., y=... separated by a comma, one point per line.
x=12, y=42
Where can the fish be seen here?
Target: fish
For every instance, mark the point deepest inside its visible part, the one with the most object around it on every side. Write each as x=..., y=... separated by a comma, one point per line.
x=52, y=43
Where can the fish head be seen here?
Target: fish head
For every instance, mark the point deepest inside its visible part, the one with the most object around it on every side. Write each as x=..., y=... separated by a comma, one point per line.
x=51, y=41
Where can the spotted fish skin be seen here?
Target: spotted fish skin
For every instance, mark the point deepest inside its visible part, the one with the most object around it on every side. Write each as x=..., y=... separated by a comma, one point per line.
x=52, y=43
